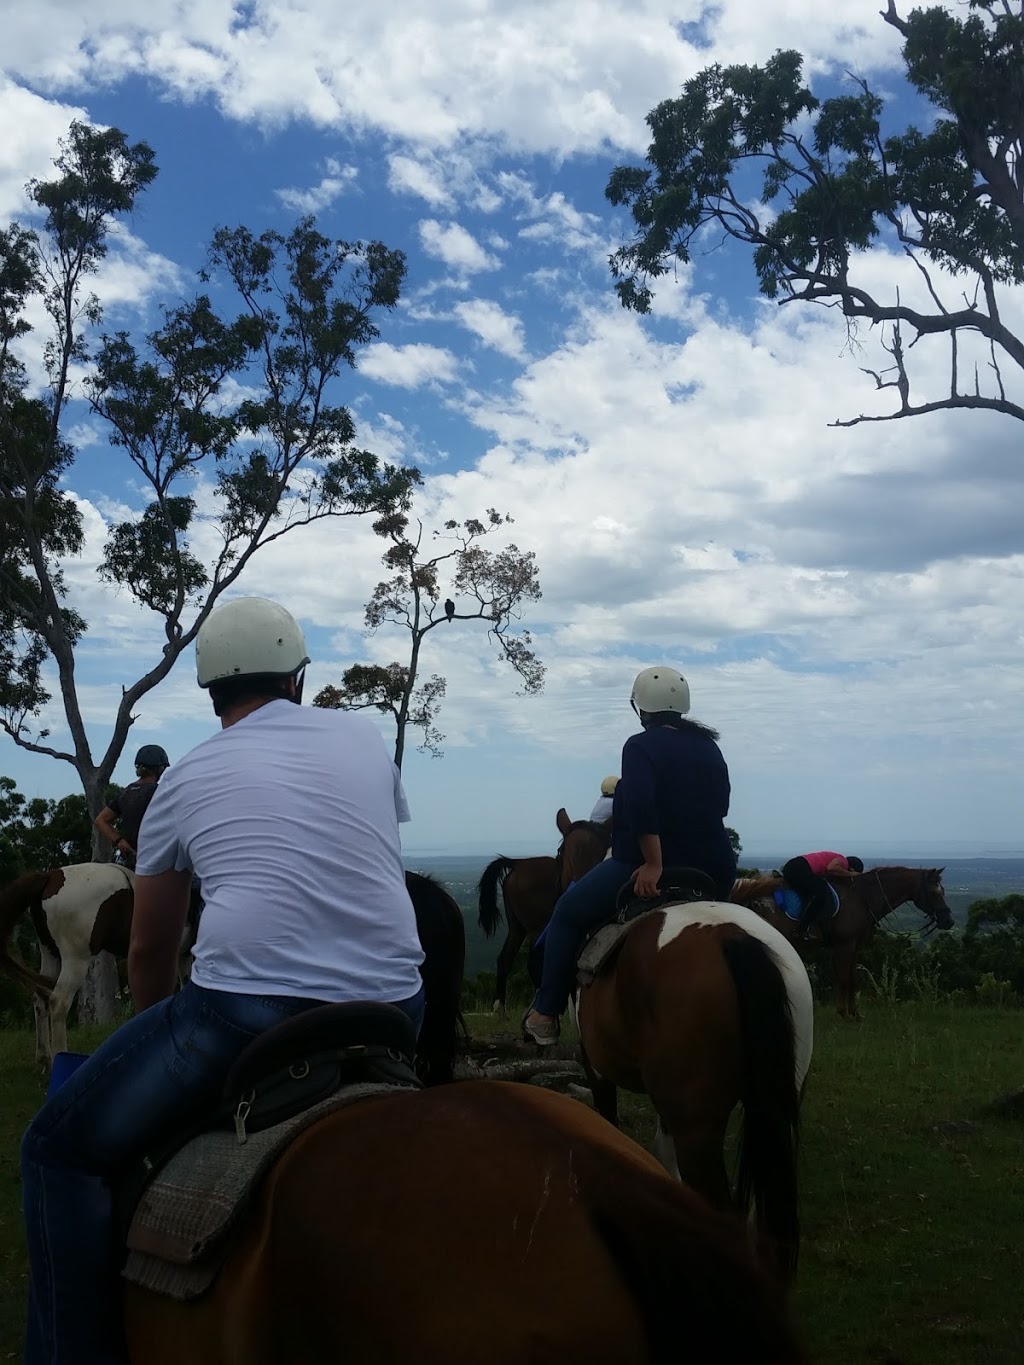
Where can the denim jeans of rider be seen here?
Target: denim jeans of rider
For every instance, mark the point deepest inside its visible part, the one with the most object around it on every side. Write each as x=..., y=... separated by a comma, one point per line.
x=152, y=1076
x=584, y=906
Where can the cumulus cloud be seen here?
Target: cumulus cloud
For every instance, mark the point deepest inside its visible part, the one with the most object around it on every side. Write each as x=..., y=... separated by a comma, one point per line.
x=495, y=328
x=408, y=367
x=536, y=77
x=32, y=128
x=843, y=601
x=409, y=175
x=457, y=248
x=336, y=180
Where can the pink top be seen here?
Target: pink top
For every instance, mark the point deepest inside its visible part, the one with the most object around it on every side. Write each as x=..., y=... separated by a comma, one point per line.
x=818, y=862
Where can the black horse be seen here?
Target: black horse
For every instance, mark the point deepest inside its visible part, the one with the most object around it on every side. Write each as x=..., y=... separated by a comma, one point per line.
x=442, y=932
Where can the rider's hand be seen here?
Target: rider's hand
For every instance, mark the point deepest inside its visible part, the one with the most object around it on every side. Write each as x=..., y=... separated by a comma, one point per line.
x=645, y=880
x=123, y=846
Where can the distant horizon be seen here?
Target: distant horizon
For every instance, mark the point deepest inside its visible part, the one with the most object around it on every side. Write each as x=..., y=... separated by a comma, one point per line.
x=952, y=852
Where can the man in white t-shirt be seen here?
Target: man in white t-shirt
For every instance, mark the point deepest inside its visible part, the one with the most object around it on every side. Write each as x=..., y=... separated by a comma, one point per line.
x=290, y=818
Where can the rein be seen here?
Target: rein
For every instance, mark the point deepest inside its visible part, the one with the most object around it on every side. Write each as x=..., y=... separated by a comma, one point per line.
x=930, y=925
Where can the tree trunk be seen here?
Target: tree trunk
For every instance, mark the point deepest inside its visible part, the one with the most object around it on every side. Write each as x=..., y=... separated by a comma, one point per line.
x=97, y=1000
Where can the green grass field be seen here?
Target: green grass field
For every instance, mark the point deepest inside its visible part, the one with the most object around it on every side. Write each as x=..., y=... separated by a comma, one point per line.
x=913, y=1198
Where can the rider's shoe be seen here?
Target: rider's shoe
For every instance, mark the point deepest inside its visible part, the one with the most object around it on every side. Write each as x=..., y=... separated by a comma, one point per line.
x=539, y=1029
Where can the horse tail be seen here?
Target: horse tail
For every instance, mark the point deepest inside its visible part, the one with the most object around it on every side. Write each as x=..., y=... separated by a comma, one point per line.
x=494, y=874
x=769, y=1142
x=442, y=933
x=23, y=895
x=691, y=1275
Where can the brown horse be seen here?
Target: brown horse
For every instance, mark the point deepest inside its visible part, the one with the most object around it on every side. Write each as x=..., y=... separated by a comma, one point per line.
x=531, y=886
x=704, y=1007
x=381, y=1235
x=864, y=901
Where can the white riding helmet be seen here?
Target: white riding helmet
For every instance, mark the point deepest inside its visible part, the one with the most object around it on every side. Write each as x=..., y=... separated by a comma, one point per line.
x=660, y=689
x=250, y=635
x=608, y=786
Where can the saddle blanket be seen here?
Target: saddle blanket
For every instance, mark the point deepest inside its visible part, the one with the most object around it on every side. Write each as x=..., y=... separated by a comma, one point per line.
x=790, y=903
x=601, y=947
x=177, y=1240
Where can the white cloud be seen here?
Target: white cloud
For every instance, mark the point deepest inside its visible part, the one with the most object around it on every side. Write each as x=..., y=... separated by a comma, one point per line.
x=456, y=247
x=32, y=127
x=408, y=175
x=536, y=77
x=845, y=602
x=408, y=367
x=336, y=181
x=495, y=328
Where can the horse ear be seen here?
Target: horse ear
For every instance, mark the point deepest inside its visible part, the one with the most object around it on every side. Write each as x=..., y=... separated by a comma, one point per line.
x=562, y=821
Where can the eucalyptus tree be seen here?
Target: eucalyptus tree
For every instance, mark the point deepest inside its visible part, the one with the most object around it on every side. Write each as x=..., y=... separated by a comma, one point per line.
x=486, y=586
x=225, y=415
x=751, y=154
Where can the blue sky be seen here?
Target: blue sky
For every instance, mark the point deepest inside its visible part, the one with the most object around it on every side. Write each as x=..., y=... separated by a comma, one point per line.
x=846, y=603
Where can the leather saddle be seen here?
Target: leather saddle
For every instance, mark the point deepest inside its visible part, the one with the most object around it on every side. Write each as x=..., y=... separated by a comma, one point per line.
x=303, y=1060
x=286, y=1070
x=676, y=885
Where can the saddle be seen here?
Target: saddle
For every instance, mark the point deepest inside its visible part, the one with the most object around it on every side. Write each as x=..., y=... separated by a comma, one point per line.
x=177, y=1205
x=791, y=903
x=676, y=886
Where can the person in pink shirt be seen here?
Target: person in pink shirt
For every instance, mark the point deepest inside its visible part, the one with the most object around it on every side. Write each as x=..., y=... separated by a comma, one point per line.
x=807, y=874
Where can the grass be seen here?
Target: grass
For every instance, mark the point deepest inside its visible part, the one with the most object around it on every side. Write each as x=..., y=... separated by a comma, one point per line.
x=913, y=1198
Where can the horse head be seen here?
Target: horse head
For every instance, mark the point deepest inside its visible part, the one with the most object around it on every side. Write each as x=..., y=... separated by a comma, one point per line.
x=930, y=898
x=583, y=846
x=897, y=885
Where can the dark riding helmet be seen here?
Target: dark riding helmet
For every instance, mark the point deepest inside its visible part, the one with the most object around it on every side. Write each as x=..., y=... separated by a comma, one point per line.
x=855, y=864
x=152, y=756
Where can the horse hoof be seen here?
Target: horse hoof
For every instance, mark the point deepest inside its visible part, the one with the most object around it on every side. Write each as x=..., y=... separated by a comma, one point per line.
x=498, y=1008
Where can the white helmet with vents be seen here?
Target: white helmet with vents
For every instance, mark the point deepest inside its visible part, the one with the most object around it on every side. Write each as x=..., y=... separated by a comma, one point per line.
x=247, y=637
x=660, y=689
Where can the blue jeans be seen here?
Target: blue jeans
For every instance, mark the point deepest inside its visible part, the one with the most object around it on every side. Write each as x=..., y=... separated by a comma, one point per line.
x=153, y=1076
x=588, y=903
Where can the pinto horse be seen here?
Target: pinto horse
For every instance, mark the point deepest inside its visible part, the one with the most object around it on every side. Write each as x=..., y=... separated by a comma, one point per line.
x=530, y=888
x=703, y=1007
x=380, y=1235
x=83, y=909
x=77, y=912
x=864, y=901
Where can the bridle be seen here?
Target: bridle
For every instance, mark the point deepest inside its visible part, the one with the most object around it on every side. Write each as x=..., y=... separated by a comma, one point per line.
x=931, y=922
x=596, y=830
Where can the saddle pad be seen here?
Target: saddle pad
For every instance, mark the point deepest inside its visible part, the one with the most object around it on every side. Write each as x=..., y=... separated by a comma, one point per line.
x=178, y=1239
x=601, y=947
x=790, y=903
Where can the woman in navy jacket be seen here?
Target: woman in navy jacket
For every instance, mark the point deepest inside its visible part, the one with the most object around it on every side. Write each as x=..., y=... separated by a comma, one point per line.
x=670, y=808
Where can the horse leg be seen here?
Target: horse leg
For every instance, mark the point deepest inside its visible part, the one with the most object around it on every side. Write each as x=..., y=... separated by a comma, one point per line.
x=698, y=1159
x=664, y=1149
x=506, y=959
x=49, y=966
x=605, y=1092
x=41, y=1011
x=69, y=983
x=844, y=972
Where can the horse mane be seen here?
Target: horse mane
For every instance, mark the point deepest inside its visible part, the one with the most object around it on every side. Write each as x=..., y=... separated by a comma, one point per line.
x=927, y=872
x=746, y=889
x=599, y=832
x=592, y=825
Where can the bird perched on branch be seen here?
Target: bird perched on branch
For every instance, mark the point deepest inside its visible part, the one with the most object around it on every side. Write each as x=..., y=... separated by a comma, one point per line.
x=449, y=608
